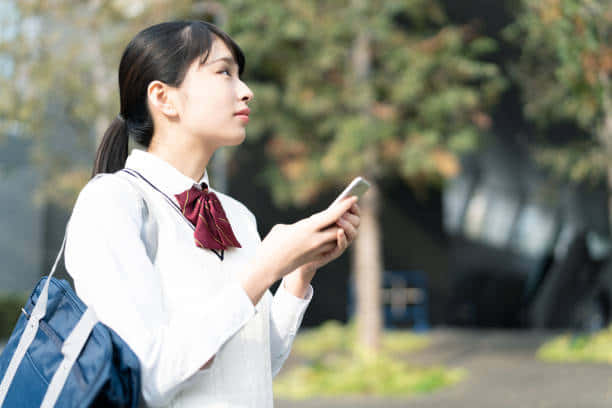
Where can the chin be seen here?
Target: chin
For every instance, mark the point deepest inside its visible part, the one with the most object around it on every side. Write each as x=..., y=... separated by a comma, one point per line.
x=235, y=141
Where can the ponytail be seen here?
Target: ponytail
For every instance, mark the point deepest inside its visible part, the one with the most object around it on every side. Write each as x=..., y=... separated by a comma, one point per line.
x=113, y=149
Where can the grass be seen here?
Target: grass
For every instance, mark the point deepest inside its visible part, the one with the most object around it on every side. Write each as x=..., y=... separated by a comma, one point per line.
x=333, y=337
x=337, y=367
x=596, y=347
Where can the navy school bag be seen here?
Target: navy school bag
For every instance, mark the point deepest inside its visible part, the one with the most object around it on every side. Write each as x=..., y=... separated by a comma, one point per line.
x=60, y=355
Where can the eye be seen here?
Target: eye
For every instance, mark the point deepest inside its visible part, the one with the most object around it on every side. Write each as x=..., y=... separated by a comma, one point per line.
x=226, y=70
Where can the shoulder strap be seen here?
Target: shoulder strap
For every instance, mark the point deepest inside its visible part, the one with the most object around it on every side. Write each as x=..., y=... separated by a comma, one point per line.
x=135, y=174
x=150, y=227
x=75, y=342
x=149, y=238
x=30, y=330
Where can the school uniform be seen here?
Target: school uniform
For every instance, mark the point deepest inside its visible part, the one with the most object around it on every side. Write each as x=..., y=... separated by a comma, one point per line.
x=178, y=305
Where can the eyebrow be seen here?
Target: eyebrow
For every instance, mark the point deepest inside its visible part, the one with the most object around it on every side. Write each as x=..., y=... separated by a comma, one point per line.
x=229, y=60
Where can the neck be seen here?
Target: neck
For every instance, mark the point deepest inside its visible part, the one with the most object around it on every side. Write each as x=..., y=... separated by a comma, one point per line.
x=189, y=158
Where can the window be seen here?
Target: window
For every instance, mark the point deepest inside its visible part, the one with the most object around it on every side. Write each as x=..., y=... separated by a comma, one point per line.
x=475, y=214
x=454, y=201
x=535, y=230
x=499, y=219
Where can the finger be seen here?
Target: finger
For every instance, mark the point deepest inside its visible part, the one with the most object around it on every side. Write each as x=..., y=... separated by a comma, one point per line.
x=343, y=241
x=355, y=209
x=349, y=230
x=330, y=215
x=327, y=235
x=328, y=247
x=352, y=219
x=336, y=249
x=340, y=247
x=334, y=253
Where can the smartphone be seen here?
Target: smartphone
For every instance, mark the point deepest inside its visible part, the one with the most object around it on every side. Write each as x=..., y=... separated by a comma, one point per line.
x=357, y=187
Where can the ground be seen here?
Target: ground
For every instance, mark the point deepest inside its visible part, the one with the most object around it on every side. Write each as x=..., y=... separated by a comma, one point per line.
x=502, y=371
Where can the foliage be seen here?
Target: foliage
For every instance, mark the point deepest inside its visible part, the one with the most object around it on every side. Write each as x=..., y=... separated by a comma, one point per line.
x=336, y=367
x=332, y=336
x=596, y=347
x=422, y=101
x=60, y=87
x=10, y=309
x=563, y=73
x=357, y=376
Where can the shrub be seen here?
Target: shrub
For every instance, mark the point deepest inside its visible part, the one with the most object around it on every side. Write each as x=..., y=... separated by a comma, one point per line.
x=10, y=309
x=335, y=366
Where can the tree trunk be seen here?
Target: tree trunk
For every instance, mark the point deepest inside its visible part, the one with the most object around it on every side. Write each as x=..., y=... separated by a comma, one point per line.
x=367, y=269
x=605, y=137
x=367, y=254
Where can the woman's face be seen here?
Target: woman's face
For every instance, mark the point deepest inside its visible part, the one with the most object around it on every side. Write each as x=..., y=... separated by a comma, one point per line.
x=210, y=96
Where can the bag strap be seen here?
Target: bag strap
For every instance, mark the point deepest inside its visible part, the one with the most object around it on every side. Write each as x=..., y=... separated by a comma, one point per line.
x=136, y=174
x=41, y=305
x=38, y=312
x=71, y=349
x=73, y=344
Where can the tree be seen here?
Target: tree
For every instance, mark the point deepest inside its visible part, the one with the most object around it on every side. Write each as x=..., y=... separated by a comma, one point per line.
x=62, y=88
x=564, y=74
x=377, y=88
x=374, y=88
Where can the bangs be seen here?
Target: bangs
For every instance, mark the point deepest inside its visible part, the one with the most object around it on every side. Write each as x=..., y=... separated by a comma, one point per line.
x=198, y=38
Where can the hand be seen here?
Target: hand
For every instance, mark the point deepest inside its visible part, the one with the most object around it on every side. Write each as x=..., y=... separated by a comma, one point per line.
x=349, y=224
x=298, y=281
x=289, y=246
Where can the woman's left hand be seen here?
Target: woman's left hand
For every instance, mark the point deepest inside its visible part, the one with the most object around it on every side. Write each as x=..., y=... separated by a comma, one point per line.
x=349, y=226
x=297, y=281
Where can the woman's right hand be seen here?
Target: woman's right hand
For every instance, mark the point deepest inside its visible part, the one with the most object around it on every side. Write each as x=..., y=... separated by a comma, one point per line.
x=288, y=246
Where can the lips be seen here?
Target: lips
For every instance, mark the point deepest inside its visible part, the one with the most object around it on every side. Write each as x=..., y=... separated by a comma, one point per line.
x=243, y=115
x=244, y=112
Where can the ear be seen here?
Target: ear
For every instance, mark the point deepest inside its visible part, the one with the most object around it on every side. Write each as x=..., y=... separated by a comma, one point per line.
x=159, y=96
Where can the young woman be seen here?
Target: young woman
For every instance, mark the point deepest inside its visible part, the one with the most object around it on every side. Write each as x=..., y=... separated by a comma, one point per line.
x=196, y=308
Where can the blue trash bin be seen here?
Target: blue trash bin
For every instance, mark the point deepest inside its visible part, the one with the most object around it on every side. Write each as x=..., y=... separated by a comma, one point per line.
x=404, y=300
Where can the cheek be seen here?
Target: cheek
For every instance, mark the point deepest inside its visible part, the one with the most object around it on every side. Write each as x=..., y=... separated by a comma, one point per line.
x=199, y=105
x=207, y=97
x=207, y=104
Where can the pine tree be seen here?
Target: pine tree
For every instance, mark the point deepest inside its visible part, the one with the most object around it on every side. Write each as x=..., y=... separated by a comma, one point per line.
x=371, y=88
x=345, y=88
x=564, y=74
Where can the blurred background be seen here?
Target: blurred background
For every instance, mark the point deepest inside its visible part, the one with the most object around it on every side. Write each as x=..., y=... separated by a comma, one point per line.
x=482, y=271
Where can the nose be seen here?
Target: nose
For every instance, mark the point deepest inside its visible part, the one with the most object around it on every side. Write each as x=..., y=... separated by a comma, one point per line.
x=245, y=92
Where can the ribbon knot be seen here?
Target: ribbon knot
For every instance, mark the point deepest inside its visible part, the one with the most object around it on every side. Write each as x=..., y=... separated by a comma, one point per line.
x=203, y=209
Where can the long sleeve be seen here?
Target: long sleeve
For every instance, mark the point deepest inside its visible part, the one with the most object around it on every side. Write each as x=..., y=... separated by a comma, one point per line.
x=107, y=259
x=286, y=314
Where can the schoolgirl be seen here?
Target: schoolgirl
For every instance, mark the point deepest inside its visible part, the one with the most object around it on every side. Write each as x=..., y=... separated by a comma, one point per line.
x=195, y=307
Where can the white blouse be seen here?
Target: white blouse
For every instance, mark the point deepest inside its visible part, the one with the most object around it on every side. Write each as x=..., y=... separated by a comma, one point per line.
x=180, y=305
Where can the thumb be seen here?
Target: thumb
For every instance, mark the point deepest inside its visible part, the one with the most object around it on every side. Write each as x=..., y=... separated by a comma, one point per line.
x=334, y=212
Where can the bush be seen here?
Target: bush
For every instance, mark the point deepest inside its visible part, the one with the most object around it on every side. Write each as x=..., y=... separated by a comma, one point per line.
x=333, y=336
x=336, y=366
x=596, y=347
x=10, y=309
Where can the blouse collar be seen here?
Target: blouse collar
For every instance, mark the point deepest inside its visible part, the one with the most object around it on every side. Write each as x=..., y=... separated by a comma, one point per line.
x=162, y=174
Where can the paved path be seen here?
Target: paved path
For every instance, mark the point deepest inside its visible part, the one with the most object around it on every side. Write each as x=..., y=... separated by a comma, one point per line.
x=501, y=372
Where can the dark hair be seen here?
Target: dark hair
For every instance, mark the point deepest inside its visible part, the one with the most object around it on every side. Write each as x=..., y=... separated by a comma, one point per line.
x=161, y=52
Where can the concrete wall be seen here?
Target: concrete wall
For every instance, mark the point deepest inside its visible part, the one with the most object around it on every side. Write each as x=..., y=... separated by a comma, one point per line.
x=21, y=223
